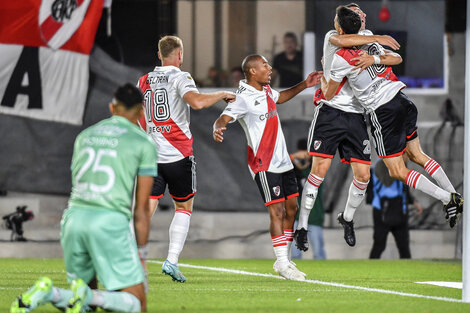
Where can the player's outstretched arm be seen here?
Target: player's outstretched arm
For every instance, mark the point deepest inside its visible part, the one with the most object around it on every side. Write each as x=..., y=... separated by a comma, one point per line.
x=351, y=40
x=220, y=126
x=329, y=88
x=365, y=60
x=311, y=80
x=142, y=211
x=199, y=101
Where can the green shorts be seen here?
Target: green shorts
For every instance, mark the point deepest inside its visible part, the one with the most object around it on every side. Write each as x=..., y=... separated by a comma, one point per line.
x=99, y=242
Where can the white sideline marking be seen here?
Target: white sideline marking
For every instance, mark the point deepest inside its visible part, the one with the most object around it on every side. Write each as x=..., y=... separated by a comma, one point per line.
x=449, y=284
x=310, y=281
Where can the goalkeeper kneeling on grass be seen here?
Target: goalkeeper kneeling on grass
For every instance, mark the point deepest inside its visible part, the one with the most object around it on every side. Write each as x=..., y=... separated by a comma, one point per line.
x=109, y=158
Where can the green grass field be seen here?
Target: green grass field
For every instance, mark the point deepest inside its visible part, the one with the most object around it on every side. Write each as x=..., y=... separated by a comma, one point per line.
x=214, y=291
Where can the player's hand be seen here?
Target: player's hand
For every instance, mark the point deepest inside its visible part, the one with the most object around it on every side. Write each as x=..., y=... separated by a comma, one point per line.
x=229, y=97
x=313, y=78
x=363, y=61
x=218, y=134
x=386, y=40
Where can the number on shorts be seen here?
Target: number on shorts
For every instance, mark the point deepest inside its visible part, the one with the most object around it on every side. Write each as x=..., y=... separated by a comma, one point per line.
x=366, y=143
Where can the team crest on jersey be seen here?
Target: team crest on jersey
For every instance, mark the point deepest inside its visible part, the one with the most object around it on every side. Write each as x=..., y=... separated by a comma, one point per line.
x=189, y=77
x=59, y=19
x=316, y=144
x=277, y=191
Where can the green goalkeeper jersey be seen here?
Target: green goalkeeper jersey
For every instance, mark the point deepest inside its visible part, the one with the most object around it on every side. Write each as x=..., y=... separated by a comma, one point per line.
x=107, y=157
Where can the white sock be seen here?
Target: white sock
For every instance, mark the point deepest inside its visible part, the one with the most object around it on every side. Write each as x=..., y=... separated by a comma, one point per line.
x=420, y=182
x=61, y=297
x=116, y=301
x=357, y=193
x=435, y=170
x=309, y=194
x=280, y=249
x=289, y=234
x=178, y=231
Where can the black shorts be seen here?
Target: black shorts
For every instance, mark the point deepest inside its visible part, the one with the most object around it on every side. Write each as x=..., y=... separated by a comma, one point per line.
x=277, y=187
x=333, y=129
x=393, y=125
x=180, y=177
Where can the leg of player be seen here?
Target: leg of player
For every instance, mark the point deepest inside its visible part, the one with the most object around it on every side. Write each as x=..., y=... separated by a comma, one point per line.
x=130, y=299
x=357, y=192
x=282, y=264
x=289, y=220
x=320, y=166
x=416, y=155
x=452, y=201
x=178, y=231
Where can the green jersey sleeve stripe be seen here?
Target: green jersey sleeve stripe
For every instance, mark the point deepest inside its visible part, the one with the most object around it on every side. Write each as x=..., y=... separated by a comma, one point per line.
x=147, y=172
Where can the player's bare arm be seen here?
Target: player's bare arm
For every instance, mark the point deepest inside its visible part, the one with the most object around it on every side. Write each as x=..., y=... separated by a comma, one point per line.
x=142, y=211
x=365, y=60
x=199, y=101
x=219, y=127
x=311, y=80
x=329, y=88
x=351, y=40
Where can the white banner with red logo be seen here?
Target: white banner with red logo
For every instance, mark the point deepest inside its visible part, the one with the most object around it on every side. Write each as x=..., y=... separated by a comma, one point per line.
x=44, y=48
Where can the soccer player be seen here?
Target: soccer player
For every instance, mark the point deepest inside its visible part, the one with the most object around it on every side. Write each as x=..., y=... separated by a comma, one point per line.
x=109, y=159
x=339, y=124
x=168, y=95
x=268, y=159
x=393, y=116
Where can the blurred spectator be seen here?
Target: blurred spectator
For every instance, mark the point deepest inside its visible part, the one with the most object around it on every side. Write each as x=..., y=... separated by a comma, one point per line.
x=215, y=78
x=390, y=198
x=288, y=65
x=302, y=162
x=236, y=75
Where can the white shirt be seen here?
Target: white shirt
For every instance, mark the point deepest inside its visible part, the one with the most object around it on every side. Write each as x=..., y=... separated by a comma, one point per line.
x=344, y=100
x=166, y=113
x=257, y=114
x=374, y=86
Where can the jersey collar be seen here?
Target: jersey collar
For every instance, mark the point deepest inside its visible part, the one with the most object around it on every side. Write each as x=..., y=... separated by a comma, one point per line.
x=166, y=67
x=250, y=88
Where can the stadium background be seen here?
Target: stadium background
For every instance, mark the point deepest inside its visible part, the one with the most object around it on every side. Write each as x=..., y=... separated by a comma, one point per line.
x=35, y=154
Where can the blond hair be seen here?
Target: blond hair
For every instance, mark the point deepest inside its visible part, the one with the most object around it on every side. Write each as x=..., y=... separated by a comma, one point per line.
x=168, y=44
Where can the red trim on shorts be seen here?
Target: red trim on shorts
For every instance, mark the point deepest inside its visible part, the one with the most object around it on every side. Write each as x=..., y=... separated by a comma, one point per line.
x=392, y=155
x=183, y=198
x=187, y=212
x=275, y=201
x=156, y=197
x=329, y=156
x=360, y=161
x=345, y=161
x=408, y=137
x=293, y=195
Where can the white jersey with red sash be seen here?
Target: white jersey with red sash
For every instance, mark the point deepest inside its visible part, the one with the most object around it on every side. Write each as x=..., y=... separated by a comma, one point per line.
x=374, y=86
x=166, y=117
x=256, y=112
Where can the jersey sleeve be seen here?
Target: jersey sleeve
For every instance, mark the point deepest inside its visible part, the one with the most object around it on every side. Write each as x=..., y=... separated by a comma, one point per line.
x=275, y=94
x=185, y=83
x=236, y=109
x=148, y=160
x=340, y=68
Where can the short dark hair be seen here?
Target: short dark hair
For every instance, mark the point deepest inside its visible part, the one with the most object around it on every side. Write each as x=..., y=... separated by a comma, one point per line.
x=291, y=35
x=128, y=95
x=352, y=4
x=249, y=62
x=349, y=21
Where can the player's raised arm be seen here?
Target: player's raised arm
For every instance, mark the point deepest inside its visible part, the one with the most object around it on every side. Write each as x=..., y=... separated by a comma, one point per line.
x=220, y=126
x=311, y=80
x=199, y=101
x=351, y=40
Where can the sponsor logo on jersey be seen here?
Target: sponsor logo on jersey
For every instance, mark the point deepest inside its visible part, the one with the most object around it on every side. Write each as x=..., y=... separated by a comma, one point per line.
x=277, y=191
x=159, y=129
x=316, y=144
x=270, y=114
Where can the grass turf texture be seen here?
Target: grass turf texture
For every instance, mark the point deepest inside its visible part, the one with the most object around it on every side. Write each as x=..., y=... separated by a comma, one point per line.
x=210, y=291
